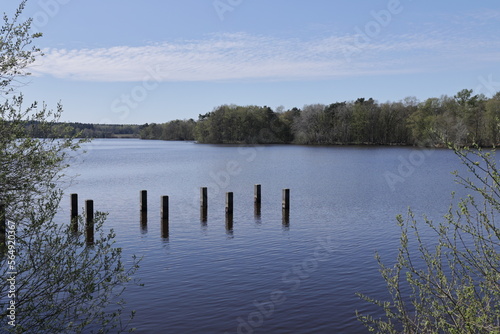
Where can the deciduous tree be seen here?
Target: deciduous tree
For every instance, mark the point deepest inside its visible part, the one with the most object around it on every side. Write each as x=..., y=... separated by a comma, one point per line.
x=52, y=281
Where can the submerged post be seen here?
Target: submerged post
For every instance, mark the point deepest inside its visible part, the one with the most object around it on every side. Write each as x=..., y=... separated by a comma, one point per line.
x=286, y=207
x=229, y=211
x=257, y=199
x=229, y=203
x=164, y=207
x=257, y=194
x=74, y=212
x=144, y=200
x=89, y=221
x=203, y=203
x=286, y=199
x=164, y=217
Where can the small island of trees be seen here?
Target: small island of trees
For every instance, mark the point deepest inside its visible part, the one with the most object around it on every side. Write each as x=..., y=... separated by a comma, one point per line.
x=463, y=119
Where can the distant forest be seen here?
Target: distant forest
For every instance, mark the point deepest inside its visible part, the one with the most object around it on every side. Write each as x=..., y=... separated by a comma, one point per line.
x=83, y=130
x=462, y=119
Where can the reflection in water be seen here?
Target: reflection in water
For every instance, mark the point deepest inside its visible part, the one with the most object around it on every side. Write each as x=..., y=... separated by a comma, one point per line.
x=229, y=226
x=286, y=228
x=204, y=228
x=204, y=218
x=257, y=210
x=164, y=229
x=204, y=214
x=144, y=222
x=229, y=222
x=286, y=218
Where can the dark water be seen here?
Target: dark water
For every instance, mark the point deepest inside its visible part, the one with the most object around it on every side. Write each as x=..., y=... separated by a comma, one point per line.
x=263, y=276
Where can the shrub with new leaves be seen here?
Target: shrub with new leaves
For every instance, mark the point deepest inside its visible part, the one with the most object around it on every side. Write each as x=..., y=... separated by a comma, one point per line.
x=450, y=284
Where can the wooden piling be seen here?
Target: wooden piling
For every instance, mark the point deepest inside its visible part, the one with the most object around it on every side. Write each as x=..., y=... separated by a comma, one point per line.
x=229, y=203
x=257, y=199
x=257, y=194
x=286, y=207
x=203, y=204
x=144, y=200
x=229, y=211
x=89, y=221
x=74, y=212
x=164, y=207
x=286, y=200
x=164, y=217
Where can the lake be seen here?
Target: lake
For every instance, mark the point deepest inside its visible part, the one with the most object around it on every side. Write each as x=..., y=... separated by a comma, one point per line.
x=262, y=276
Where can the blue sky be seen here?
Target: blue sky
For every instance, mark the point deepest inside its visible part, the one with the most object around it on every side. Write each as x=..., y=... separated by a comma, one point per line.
x=134, y=62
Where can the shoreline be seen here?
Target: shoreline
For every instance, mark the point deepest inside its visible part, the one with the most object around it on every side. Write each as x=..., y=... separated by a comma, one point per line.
x=296, y=144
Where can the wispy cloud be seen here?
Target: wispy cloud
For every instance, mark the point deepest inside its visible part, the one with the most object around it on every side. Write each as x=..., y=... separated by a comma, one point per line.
x=485, y=15
x=242, y=56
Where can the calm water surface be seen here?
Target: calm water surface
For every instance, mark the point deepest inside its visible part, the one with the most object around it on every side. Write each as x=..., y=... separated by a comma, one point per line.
x=263, y=276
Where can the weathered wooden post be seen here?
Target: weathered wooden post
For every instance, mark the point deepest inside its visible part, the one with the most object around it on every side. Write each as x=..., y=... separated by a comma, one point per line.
x=74, y=213
x=144, y=200
x=203, y=204
x=164, y=207
x=164, y=217
x=286, y=206
x=257, y=194
x=144, y=211
x=229, y=203
x=229, y=210
x=89, y=221
x=257, y=199
x=286, y=199
x=3, y=223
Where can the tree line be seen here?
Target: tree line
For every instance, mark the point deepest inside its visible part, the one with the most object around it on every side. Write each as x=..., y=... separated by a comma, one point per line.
x=462, y=119
x=83, y=130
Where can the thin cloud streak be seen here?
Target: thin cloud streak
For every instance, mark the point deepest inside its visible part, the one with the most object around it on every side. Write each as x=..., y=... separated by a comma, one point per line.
x=241, y=56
